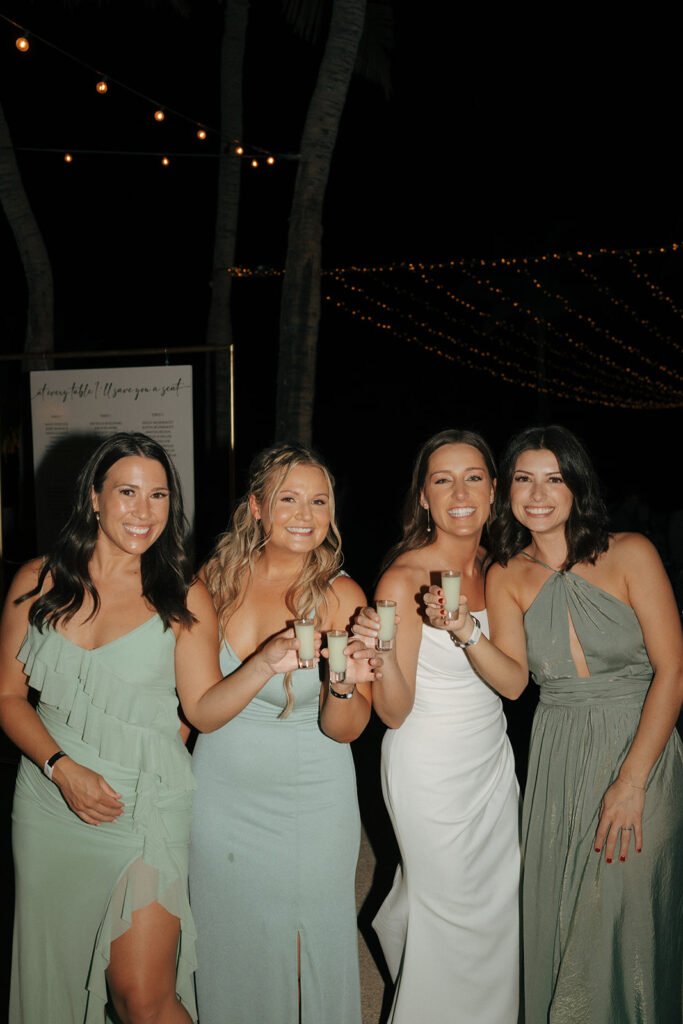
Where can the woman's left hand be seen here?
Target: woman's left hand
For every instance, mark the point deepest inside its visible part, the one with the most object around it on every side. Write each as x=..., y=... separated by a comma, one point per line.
x=621, y=810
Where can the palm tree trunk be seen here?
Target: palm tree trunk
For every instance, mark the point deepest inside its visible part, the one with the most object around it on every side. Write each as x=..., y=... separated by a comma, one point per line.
x=39, y=336
x=300, y=307
x=219, y=329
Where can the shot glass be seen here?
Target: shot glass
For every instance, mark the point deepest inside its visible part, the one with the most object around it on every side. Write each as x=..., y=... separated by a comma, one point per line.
x=337, y=639
x=305, y=634
x=450, y=584
x=387, y=625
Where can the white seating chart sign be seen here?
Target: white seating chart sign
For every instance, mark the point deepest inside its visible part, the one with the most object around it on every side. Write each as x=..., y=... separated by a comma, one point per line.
x=72, y=409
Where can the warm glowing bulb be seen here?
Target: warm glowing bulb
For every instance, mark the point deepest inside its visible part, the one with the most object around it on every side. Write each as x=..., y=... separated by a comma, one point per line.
x=165, y=161
x=22, y=44
x=254, y=163
x=239, y=151
x=201, y=134
x=68, y=158
x=159, y=115
x=102, y=87
x=271, y=160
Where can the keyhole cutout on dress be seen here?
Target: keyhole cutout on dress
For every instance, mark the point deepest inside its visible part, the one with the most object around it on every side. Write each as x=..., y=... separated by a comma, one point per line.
x=576, y=650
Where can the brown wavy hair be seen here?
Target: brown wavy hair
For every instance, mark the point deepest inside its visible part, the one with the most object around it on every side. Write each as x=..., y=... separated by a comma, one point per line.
x=231, y=565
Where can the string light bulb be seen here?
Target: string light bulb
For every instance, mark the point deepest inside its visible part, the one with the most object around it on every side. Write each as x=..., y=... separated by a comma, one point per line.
x=201, y=134
x=239, y=151
x=159, y=115
x=165, y=161
x=68, y=158
x=270, y=160
x=22, y=44
x=254, y=163
x=102, y=87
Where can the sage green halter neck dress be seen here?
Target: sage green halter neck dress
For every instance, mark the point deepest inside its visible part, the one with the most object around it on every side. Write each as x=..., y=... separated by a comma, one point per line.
x=602, y=942
x=113, y=709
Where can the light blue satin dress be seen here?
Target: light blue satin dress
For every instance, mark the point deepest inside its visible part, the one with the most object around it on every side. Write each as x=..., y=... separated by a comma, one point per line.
x=275, y=843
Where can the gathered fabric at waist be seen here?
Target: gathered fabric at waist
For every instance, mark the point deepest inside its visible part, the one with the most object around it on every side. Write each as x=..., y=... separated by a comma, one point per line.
x=602, y=689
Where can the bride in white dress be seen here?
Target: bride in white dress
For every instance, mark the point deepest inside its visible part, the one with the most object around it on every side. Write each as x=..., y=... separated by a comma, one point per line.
x=449, y=927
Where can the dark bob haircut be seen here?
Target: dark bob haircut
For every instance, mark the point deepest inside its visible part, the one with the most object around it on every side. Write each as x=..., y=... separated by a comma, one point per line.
x=165, y=567
x=414, y=520
x=586, y=530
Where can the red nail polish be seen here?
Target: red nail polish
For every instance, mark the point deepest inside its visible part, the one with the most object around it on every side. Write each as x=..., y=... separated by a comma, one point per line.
x=440, y=600
x=597, y=849
x=639, y=849
x=622, y=858
x=608, y=859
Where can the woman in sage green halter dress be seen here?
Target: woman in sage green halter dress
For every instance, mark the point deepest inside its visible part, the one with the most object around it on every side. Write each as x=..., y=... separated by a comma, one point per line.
x=593, y=617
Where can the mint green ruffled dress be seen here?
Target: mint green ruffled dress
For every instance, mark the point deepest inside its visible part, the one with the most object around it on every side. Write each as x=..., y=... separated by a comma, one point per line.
x=602, y=942
x=113, y=709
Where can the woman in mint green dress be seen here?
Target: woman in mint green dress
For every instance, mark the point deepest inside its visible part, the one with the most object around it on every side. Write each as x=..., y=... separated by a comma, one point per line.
x=592, y=616
x=105, y=630
x=276, y=827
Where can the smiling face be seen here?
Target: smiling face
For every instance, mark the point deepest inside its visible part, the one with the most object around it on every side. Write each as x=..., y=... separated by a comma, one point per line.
x=458, y=489
x=133, y=505
x=297, y=518
x=539, y=497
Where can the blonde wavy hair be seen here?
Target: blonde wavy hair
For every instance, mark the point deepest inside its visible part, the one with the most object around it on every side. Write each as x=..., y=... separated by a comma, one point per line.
x=230, y=567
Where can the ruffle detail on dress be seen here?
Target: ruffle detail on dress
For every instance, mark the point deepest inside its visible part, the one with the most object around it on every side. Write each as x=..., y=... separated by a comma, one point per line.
x=100, y=707
x=145, y=881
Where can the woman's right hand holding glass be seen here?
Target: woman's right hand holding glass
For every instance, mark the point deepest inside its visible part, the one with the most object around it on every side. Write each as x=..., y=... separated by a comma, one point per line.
x=435, y=609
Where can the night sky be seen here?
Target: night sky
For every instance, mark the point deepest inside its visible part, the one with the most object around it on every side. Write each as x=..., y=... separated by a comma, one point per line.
x=504, y=136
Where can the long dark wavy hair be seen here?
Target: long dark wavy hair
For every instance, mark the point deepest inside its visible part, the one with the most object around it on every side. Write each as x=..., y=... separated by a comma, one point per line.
x=415, y=520
x=586, y=530
x=165, y=567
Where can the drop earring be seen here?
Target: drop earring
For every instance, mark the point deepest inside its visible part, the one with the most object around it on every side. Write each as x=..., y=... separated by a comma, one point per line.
x=429, y=525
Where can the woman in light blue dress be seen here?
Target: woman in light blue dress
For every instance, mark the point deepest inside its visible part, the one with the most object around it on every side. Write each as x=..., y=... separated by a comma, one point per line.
x=276, y=826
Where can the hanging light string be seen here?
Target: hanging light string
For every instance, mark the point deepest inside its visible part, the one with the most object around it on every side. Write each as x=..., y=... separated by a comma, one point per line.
x=252, y=152
x=559, y=388
x=602, y=331
x=655, y=289
x=565, y=335
x=579, y=390
x=624, y=306
x=471, y=261
x=567, y=361
x=415, y=316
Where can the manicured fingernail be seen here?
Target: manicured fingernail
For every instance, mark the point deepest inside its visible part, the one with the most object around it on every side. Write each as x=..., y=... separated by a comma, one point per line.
x=597, y=849
x=622, y=858
x=440, y=600
x=608, y=859
x=639, y=849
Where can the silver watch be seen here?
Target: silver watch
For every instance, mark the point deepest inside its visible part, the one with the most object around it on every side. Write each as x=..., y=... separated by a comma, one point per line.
x=476, y=633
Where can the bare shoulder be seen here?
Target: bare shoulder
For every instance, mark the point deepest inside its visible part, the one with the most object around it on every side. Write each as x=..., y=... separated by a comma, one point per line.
x=400, y=579
x=199, y=600
x=509, y=577
x=632, y=548
x=348, y=592
x=347, y=599
x=26, y=579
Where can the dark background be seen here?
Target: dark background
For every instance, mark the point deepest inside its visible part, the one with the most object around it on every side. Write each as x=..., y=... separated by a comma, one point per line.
x=506, y=135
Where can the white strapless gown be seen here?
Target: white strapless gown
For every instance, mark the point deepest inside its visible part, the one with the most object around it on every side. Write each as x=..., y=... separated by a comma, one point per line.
x=449, y=928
